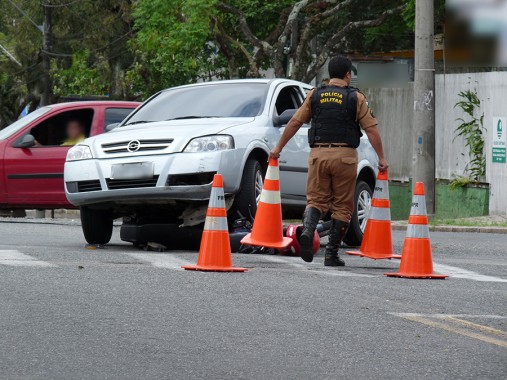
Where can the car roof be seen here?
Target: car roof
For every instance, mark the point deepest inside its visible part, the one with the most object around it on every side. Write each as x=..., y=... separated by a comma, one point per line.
x=95, y=103
x=241, y=81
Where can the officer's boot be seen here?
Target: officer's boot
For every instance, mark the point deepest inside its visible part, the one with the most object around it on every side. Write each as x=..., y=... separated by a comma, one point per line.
x=336, y=235
x=310, y=221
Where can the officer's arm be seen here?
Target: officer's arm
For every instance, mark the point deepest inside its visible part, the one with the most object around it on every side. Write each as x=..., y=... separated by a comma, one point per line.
x=289, y=132
x=376, y=143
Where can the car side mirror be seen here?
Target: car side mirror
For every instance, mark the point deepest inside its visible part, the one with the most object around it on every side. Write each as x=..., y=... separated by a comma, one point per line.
x=110, y=127
x=27, y=141
x=284, y=118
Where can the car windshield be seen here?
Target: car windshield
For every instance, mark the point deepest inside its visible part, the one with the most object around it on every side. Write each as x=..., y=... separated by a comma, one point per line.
x=21, y=123
x=213, y=100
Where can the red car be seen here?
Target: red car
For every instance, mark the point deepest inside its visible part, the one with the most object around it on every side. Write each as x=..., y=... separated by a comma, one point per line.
x=33, y=150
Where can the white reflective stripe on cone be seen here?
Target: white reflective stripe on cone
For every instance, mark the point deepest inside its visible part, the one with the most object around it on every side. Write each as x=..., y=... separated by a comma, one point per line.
x=419, y=231
x=215, y=223
x=271, y=197
x=273, y=173
x=380, y=213
x=381, y=190
x=217, y=199
x=418, y=205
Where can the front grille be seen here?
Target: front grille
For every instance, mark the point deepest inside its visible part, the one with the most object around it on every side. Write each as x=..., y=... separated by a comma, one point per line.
x=194, y=179
x=117, y=184
x=85, y=186
x=144, y=145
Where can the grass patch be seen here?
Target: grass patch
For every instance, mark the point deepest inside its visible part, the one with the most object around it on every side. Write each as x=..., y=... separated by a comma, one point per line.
x=466, y=223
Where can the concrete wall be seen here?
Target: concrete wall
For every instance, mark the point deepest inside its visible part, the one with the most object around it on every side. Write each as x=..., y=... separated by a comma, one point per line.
x=394, y=109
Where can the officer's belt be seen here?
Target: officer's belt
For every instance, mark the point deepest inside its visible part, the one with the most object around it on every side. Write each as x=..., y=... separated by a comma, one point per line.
x=330, y=145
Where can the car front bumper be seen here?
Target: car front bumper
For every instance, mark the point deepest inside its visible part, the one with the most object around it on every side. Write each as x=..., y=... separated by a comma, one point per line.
x=177, y=177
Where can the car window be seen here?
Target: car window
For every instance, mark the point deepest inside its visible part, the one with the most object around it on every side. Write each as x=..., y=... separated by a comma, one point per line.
x=64, y=129
x=21, y=123
x=116, y=115
x=288, y=98
x=210, y=100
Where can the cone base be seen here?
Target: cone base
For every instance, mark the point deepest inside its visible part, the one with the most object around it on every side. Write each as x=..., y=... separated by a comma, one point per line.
x=421, y=276
x=372, y=256
x=213, y=269
x=248, y=240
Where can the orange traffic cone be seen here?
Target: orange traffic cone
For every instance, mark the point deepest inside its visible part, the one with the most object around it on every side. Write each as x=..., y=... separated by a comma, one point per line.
x=377, y=240
x=267, y=230
x=416, y=261
x=215, y=253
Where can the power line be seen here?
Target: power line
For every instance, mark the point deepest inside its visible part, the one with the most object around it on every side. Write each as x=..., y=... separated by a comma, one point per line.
x=28, y=17
x=57, y=54
x=9, y=55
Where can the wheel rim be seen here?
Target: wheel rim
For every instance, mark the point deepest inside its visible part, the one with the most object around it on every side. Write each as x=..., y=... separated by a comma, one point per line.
x=363, y=207
x=259, y=183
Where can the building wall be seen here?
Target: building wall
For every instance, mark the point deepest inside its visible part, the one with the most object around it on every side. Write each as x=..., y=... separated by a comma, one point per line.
x=394, y=109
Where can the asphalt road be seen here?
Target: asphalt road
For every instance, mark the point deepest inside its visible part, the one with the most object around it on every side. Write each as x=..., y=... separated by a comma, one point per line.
x=122, y=313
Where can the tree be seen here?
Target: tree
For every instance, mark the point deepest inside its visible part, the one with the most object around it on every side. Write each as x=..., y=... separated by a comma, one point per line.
x=172, y=43
x=308, y=32
x=181, y=41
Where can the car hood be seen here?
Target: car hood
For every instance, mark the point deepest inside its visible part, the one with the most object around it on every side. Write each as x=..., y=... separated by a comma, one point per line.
x=179, y=131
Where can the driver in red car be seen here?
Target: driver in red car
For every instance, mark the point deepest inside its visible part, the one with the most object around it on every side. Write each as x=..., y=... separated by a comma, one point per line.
x=75, y=131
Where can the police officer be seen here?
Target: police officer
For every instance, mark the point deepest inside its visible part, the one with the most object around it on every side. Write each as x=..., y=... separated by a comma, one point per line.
x=338, y=113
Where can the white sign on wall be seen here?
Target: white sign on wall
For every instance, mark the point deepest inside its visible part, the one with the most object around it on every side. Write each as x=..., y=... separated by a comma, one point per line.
x=499, y=144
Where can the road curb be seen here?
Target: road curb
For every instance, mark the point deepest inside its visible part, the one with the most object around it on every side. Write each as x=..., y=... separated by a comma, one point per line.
x=473, y=229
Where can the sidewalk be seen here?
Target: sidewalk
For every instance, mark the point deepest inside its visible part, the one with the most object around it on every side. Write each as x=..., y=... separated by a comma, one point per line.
x=483, y=224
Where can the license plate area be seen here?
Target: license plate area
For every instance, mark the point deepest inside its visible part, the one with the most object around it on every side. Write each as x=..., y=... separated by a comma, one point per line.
x=134, y=170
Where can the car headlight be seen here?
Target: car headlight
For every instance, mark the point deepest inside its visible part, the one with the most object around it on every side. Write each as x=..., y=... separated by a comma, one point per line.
x=210, y=144
x=79, y=152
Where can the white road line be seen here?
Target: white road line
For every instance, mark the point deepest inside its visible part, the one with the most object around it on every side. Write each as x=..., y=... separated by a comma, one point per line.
x=486, y=316
x=286, y=260
x=466, y=274
x=17, y=259
x=310, y=267
x=161, y=260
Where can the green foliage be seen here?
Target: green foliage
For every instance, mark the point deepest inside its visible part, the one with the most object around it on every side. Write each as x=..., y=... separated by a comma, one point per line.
x=472, y=131
x=133, y=48
x=80, y=78
x=171, y=43
x=408, y=14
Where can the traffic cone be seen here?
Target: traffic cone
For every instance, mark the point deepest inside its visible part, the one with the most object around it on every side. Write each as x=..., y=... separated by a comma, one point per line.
x=215, y=252
x=416, y=261
x=267, y=230
x=377, y=240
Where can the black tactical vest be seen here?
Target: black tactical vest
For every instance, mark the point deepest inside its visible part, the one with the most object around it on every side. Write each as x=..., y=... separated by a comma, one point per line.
x=334, y=111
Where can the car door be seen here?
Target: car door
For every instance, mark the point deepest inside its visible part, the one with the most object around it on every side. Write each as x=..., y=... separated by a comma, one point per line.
x=294, y=158
x=34, y=175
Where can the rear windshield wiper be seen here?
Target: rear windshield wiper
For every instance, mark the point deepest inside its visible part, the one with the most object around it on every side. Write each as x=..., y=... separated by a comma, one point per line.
x=138, y=122
x=191, y=117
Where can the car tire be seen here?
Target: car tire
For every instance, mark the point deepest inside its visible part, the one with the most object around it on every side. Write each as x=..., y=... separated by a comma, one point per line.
x=97, y=225
x=245, y=202
x=362, y=200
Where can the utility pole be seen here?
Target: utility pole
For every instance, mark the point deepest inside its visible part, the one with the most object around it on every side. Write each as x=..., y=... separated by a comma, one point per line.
x=424, y=102
x=46, y=59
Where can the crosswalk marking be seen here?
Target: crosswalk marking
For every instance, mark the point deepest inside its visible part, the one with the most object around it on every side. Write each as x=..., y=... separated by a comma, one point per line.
x=291, y=261
x=161, y=260
x=466, y=274
x=18, y=259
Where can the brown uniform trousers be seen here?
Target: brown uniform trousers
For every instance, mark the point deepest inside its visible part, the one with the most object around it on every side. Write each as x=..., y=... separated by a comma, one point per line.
x=331, y=181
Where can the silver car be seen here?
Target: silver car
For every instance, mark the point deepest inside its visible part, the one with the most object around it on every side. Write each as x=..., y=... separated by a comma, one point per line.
x=158, y=164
